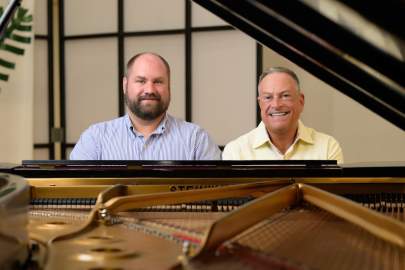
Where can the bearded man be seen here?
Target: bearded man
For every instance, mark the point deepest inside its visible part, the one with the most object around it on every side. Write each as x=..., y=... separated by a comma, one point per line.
x=147, y=131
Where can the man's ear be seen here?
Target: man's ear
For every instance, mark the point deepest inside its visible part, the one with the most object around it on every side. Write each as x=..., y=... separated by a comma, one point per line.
x=258, y=101
x=302, y=99
x=124, y=83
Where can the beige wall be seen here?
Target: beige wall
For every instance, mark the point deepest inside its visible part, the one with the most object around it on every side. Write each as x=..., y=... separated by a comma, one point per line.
x=363, y=135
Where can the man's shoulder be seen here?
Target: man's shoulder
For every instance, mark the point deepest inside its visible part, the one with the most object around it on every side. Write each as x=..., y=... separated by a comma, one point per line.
x=194, y=138
x=238, y=148
x=246, y=139
x=108, y=126
x=182, y=124
x=316, y=135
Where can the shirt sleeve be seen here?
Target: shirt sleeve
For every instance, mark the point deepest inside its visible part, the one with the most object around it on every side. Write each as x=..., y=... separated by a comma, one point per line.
x=228, y=153
x=335, y=151
x=87, y=147
x=206, y=148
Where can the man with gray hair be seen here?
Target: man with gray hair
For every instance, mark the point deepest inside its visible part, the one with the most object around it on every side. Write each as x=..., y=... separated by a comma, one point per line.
x=281, y=135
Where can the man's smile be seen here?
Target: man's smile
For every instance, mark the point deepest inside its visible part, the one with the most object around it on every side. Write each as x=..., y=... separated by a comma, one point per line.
x=149, y=98
x=274, y=114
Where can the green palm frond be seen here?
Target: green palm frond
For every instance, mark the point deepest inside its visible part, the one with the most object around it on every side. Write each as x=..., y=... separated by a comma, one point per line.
x=22, y=21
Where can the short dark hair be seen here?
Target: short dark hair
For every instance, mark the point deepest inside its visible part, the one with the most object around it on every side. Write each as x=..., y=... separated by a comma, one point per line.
x=133, y=59
x=280, y=70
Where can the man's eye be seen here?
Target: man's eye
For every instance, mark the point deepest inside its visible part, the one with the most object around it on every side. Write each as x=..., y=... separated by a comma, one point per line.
x=140, y=81
x=159, y=82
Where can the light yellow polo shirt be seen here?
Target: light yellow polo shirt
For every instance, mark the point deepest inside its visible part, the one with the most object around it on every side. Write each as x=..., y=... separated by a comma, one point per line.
x=309, y=144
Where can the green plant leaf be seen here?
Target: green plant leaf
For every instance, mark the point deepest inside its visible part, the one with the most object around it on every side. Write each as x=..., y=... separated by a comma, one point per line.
x=22, y=21
x=21, y=38
x=3, y=77
x=6, y=64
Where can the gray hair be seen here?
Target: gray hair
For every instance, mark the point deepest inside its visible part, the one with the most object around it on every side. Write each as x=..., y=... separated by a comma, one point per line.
x=280, y=70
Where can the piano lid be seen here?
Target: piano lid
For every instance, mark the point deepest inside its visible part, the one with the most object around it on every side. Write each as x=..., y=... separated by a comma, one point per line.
x=358, y=49
x=177, y=169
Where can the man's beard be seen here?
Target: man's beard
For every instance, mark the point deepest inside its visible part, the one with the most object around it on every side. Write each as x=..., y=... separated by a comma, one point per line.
x=146, y=112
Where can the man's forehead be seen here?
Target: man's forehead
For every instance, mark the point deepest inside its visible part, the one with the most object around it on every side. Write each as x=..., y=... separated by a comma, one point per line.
x=147, y=68
x=279, y=81
x=148, y=76
x=148, y=60
x=278, y=76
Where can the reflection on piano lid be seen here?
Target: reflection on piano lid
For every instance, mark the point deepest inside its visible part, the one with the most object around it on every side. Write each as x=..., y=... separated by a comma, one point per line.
x=388, y=40
x=176, y=169
x=358, y=49
x=170, y=170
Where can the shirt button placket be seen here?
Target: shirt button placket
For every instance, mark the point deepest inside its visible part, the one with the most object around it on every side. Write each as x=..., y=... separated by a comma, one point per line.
x=144, y=148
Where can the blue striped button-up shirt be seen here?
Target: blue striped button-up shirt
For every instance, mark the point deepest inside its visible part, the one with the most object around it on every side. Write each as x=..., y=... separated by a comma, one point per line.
x=117, y=139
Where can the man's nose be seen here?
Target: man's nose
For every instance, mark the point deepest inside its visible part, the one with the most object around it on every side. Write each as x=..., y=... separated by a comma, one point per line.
x=149, y=87
x=275, y=102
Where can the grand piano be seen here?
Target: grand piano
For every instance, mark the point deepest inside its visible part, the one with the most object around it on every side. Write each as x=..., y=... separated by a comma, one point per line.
x=236, y=215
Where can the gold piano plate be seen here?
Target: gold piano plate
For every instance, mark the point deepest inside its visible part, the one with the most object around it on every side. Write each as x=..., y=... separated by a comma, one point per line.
x=295, y=226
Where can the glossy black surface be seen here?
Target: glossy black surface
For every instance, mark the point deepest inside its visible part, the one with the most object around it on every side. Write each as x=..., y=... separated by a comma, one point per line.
x=203, y=169
x=337, y=53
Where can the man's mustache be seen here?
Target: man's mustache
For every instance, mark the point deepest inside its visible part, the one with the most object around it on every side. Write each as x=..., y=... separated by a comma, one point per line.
x=149, y=97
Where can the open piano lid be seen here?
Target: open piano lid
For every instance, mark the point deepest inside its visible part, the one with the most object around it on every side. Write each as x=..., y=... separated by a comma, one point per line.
x=358, y=49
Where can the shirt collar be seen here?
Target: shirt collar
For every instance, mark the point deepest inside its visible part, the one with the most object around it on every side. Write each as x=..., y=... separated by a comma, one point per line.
x=127, y=121
x=304, y=133
x=159, y=130
x=261, y=136
x=162, y=125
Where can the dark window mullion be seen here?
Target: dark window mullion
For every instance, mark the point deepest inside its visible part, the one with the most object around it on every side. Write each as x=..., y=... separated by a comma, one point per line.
x=259, y=70
x=42, y=145
x=62, y=77
x=188, y=61
x=51, y=111
x=121, y=63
